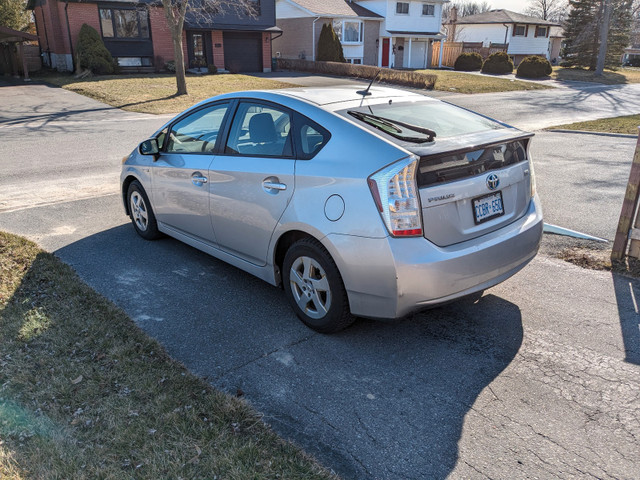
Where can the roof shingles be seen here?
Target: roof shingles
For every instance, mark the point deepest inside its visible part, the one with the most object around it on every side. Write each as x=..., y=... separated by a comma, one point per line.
x=336, y=8
x=502, y=16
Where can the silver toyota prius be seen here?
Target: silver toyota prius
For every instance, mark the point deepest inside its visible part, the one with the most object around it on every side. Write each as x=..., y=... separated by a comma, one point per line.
x=374, y=202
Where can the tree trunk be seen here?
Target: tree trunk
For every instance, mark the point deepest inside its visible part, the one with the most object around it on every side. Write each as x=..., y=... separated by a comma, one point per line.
x=178, y=54
x=175, y=19
x=604, y=36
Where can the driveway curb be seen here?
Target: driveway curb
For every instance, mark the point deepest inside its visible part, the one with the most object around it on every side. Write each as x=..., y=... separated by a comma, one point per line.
x=602, y=134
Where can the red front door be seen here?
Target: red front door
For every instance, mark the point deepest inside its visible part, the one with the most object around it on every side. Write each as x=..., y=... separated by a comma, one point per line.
x=385, y=52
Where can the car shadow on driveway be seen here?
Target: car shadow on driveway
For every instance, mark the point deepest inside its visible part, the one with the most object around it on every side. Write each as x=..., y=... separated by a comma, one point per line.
x=378, y=400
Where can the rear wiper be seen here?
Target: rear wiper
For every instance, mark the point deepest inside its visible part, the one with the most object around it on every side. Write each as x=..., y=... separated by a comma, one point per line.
x=394, y=124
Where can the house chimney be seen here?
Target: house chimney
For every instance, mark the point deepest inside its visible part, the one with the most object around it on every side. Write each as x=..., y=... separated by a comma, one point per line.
x=454, y=14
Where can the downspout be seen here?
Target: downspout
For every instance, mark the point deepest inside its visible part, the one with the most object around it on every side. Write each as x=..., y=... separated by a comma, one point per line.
x=313, y=39
x=46, y=35
x=66, y=14
x=506, y=33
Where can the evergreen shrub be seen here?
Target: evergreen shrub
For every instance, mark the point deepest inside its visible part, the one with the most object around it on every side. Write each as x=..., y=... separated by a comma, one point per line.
x=92, y=54
x=468, y=62
x=329, y=46
x=498, y=63
x=534, y=67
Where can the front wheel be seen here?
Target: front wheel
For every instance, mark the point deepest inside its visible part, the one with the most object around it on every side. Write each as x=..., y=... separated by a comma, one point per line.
x=141, y=213
x=314, y=287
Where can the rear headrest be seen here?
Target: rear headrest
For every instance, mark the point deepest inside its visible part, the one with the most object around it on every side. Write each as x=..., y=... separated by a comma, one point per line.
x=262, y=129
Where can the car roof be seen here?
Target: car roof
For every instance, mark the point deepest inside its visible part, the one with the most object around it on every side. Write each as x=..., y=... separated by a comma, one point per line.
x=322, y=96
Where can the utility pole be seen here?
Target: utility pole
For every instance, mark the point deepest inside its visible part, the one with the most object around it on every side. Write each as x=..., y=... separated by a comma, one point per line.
x=604, y=36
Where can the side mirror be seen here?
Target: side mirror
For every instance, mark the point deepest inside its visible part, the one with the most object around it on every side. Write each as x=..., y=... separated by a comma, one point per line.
x=149, y=147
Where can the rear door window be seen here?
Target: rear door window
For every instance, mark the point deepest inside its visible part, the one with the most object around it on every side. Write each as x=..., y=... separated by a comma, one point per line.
x=260, y=130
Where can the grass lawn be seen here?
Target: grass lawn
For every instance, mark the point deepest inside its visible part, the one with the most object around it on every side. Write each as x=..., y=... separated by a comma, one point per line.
x=154, y=93
x=609, y=77
x=460, y=82
x=85, y=394
x=626, y=124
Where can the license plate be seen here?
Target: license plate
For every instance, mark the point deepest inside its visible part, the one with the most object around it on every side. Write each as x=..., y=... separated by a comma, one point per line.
x=487, y=207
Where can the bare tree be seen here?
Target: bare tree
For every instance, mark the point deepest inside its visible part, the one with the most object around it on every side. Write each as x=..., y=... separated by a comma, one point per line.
x=204, y=13
x=553, y=10
x=635, y=26
x=465, y=8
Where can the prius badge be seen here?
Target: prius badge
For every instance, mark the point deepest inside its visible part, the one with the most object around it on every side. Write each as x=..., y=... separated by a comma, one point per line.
x=493, y=181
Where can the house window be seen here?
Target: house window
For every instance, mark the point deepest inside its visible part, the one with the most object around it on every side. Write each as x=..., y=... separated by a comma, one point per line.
x=402, y=8
x=124, y=23
x=541, y=31
x=355, y=61
x=428, y=9
x=348, y=31
x=520, y=31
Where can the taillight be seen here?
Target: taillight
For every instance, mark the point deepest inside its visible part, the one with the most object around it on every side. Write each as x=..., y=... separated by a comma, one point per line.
x=395, y=193
x=532, y=178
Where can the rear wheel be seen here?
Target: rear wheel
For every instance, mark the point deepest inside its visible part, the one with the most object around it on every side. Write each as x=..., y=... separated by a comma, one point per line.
x=314, y=287
x=141, y=213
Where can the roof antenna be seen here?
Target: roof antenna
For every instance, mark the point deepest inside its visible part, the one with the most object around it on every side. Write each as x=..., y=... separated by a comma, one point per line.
x=366, y=92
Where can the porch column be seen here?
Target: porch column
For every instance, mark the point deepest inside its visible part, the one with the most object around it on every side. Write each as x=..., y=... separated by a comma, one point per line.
x=391, y=56
x=441, y=51
x=25, y=68
x=409, y=58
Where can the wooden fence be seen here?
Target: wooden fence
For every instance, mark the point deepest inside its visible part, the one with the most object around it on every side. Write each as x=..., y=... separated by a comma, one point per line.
x=452, y=50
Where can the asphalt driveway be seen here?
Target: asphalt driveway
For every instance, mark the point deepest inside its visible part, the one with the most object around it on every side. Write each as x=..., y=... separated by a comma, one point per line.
x=537, y=380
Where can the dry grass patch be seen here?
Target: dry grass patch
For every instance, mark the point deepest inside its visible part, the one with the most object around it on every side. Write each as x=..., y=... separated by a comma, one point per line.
x=85, y=394
x=626, y=124
x=460, y=82
x=600, y=260
x=156, y=93
x=609, y=77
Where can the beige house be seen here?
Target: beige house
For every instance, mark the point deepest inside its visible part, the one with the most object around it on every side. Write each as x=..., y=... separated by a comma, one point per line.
x=301, y=22
x=386, y=33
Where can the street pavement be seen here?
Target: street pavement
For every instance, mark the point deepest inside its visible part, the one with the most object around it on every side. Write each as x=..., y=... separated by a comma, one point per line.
x=539, y=379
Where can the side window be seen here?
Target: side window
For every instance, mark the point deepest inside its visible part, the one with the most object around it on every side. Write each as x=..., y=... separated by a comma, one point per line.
x=260, y=130
x=198, y=132
x=311, y=138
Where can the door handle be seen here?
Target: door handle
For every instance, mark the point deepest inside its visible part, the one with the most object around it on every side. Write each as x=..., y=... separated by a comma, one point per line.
x=198, y=179
x=270, y=185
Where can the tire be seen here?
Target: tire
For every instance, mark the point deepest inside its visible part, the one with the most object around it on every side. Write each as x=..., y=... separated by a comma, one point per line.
x=314, y=288
x=141, y=212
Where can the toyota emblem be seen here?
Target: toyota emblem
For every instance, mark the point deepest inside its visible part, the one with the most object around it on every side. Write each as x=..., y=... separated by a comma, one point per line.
x=493, y=181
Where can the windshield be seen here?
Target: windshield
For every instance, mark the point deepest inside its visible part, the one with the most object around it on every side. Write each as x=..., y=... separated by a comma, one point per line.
x=441, y=118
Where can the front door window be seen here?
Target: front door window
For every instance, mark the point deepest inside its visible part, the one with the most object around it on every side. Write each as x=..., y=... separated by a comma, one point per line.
x=198, y=50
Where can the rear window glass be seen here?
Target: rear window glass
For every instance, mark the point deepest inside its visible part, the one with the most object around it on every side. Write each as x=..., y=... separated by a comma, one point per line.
x=444, y=119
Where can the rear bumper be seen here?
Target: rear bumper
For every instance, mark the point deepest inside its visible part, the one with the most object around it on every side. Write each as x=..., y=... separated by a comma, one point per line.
x=391, y=277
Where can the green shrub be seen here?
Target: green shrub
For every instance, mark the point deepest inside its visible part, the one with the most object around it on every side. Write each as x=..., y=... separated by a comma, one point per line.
x=170, y=66
x=534, y=67
x=635, y=62
x=468, y=62
x=92, y=54
x=329, y=46
x=212, y=69
x=498, y=63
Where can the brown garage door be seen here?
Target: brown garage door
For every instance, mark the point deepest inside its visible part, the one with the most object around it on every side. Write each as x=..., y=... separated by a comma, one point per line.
x=242, y=51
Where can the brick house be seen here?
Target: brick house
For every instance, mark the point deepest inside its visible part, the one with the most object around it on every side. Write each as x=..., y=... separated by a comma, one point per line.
x=138, y=37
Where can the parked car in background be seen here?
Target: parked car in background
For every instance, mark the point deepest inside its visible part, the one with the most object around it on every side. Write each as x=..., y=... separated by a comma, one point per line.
x=372, y=203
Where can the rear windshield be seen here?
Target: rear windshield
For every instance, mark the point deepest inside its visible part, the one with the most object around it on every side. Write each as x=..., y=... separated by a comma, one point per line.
x=444, y=119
